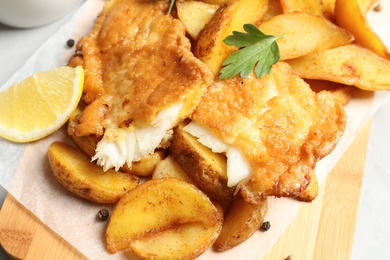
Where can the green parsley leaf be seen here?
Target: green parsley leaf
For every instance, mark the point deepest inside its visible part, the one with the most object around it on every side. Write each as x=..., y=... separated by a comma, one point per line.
x=171, y=6
x=258, y=52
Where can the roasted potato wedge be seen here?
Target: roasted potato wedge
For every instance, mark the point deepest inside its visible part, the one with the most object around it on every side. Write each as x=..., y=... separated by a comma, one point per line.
x=195, y=15
x=364, y=6
x=187, y=241
x=274, y=9
x=146, y=165
x=348, y=15
x=304, y=33
x=87, y=144
x=304, y=6
x=156, y=206
x=74, y=170
x=229, y=17
x=206, y=168
x=241, y=221
x=349, y=65
x=214, y=2
x=168, y=168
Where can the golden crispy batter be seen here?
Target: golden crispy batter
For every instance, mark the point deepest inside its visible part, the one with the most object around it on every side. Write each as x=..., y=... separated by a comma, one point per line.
x=280, y=125
x=342, y=93
x=137, y=62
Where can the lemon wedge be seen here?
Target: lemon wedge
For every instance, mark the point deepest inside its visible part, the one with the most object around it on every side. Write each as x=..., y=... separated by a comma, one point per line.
x=40, y=104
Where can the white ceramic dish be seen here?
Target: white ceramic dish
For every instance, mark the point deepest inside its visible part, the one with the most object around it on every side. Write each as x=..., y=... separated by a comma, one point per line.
x=33, y=13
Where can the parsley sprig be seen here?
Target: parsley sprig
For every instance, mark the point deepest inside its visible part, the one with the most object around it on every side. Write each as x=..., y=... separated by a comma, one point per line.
x=258, y=52
x=171, y=6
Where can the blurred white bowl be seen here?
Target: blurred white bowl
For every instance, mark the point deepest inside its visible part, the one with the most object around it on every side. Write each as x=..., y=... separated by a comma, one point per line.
x=33, y=13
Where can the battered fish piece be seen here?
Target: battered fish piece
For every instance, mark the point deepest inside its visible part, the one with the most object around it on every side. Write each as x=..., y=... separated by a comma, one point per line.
x=276, y=125
x=141, y=79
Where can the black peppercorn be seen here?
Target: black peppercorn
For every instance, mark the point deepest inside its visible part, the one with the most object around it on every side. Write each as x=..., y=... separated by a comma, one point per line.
x=103, y=214
x=266, y=226
x=290, y=257
x=70, y=43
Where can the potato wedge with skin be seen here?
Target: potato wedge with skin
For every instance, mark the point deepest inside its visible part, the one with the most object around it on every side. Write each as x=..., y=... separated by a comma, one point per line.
x=195, y=15
x=146, y=165
x=206, y=168
x=304, y=6
x=87, y=144
x=214, y=2
x=348, y=15
x=274, y=9
x=241, y=221
x=328, y=7
x=230, y=17
x=168, y=168
x=349, y=65
x=304, y=33
x=187, y=241
x=155, y=206
x=74, y=170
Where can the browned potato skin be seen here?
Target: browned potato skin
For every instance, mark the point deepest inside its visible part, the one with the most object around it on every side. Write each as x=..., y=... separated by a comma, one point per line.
x=156, y=206
x=274, y=9
x=241, y=221
x=306, y=6
x=74, y=170
x=350, y=65
x=168, y=168
x=146, y=165
x=205, y=168
x=348, y=15
x=87, y=143
x=215, y=2
x=328, y=7
x=230, y=17
x=186, y=241
x=304, y=33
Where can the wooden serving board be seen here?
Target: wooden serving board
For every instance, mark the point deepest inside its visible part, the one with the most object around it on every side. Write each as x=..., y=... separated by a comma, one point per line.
x=323, y=229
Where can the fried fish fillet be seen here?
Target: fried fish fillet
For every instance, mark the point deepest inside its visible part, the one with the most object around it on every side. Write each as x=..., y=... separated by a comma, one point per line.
x=141, y=79
x=273, y=130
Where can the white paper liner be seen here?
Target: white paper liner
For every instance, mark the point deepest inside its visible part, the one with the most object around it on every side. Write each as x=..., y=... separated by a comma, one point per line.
x=27, y=176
